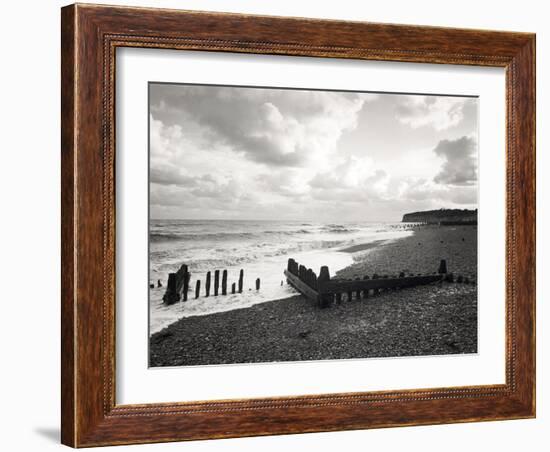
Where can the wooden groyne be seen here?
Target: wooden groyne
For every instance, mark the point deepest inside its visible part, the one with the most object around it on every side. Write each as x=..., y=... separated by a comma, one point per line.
x=322, y=289
x=326, y=291
x=178, y=285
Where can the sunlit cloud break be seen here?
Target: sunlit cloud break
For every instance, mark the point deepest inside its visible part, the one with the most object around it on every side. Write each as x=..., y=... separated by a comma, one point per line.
x=228, y=152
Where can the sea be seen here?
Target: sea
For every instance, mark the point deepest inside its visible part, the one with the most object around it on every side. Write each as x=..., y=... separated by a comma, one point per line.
x=260, y=248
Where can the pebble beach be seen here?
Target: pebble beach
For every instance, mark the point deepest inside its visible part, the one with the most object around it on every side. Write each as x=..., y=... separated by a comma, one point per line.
x=436, y=319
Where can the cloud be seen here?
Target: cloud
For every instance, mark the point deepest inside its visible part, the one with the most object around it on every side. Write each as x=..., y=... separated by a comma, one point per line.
x=167, y=175
x=439, y=112
x=460, y=161
x=432, y=194
x=353, y=180
x=161, y=138
x=218, y=152
x=275, y=127
x=455, y=183
x=288, y=183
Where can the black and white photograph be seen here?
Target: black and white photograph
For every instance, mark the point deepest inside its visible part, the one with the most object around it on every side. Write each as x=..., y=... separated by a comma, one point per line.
x=235, y=225
x=305, y=225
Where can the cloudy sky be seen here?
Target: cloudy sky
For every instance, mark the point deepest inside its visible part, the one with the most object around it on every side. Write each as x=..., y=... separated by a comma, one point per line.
x=251, y=153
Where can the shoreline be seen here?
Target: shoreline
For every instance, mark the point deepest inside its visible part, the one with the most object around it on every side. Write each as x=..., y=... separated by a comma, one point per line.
x=426, y=320
x=364, y=246
x=270, y=273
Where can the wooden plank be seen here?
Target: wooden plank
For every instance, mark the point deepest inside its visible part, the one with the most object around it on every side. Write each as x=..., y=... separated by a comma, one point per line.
x=241, y=276
x=224, y=282
x=325, y=298
x=207, y=284
x=340, y=286
x=300, y=286
x=186, y=279
x=216, y=282
x=198, y=288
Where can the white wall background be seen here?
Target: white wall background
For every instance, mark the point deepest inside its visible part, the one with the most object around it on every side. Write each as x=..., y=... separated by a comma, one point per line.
x=29, y=178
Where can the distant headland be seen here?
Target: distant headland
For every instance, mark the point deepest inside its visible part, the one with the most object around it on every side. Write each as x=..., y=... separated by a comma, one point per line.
x=443, y=217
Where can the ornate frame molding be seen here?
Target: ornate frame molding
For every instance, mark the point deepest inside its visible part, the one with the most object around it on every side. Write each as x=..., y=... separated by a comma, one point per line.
x=90, y=37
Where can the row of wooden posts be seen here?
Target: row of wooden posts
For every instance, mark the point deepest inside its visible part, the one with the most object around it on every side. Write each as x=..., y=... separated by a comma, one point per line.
x=325, y=290
x=177, y=287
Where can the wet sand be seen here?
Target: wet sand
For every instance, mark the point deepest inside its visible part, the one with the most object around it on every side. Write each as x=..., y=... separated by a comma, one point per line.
x=362, y=247
x=437, y=319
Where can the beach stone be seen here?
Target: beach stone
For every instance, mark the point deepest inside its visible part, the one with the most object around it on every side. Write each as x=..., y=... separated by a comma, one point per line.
x=441, y=320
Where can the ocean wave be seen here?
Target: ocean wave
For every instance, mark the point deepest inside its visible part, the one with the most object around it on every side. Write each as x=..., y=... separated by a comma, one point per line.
x=212, y=258
x=163, y=236
x=173, y=236
x=338, y=228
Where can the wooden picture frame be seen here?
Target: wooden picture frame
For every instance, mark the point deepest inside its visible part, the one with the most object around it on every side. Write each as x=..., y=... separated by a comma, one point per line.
x=90, y=35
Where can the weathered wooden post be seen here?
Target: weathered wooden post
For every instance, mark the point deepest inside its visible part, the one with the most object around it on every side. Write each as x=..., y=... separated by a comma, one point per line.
x=198, y=288
x=290, y=265
x=442, y=267
x=302, y=273
x=186, y=279
x=216, y=282
x=366, y=291
x=224, y=282
x=257, y=283
x=376, y=291
x=241, y=276
x=233, y=288
x=324, y=298
x=175, y=285
x=309, y=277
x=170, y=285
x=207, y=284
x=357, y=292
